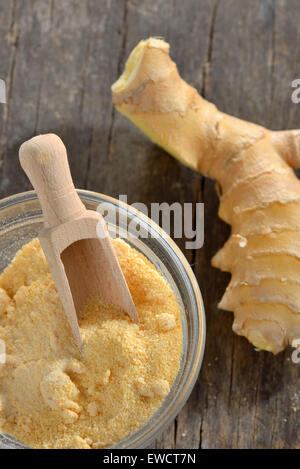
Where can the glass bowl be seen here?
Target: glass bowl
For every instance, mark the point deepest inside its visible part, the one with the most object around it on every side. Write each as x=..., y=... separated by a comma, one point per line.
x=21, y=220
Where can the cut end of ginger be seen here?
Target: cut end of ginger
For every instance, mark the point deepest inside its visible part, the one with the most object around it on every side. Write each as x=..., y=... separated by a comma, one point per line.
x=131, y=68
x=134, y=61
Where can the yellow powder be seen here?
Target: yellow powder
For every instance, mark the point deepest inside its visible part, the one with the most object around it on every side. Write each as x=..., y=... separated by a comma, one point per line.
x=51, y=398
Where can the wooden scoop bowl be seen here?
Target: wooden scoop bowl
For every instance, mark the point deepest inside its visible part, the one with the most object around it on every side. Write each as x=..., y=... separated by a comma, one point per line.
x=75, y=240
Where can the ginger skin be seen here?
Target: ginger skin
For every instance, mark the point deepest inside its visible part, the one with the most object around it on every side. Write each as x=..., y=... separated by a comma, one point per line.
x=260, y=193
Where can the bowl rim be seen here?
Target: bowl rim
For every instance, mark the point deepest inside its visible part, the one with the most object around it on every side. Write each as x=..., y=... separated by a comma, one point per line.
x=189, y=384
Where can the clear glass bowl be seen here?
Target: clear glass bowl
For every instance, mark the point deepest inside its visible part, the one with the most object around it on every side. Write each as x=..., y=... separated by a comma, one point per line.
x=21, y=220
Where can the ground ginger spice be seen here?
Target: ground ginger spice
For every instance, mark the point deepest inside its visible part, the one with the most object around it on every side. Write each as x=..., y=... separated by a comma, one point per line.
x=50, y=397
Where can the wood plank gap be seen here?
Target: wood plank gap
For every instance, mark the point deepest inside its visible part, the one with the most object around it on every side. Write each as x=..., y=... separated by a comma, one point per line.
x=199, y=198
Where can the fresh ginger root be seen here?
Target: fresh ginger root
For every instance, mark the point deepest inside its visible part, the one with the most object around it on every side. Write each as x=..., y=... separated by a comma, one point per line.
x=259, y=191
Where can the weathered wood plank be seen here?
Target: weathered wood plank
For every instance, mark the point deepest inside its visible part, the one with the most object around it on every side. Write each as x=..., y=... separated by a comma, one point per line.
x=59, y=60
x=59, y=79
x=28, y=28
x=150, y=174
x=7, y=54
x=249, y=404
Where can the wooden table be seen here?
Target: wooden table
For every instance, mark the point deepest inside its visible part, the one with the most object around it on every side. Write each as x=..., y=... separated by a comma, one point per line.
x=59, y=59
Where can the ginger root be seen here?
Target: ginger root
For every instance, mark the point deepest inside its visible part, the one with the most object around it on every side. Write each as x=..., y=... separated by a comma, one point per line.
x=260, y=193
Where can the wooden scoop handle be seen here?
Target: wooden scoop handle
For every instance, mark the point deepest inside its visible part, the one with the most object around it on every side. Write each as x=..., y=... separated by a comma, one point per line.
x=44, y=160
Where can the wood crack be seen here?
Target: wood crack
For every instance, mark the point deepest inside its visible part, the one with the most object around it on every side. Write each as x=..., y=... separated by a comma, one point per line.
x=52, y=5
x=207, y=65
x=14, y=36
x=198, y=199
x=273, y=54
x=124, y=39
x=85, y=66
x=120, y=67
x=256, y=407
x=38, y=105
x=231, y=372
x=81, y=103
x=200, y=434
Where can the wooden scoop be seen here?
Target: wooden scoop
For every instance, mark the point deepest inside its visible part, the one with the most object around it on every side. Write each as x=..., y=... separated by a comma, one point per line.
x=75, y=240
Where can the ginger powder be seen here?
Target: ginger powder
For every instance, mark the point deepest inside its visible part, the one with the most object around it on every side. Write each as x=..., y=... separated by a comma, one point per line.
x=52, y=398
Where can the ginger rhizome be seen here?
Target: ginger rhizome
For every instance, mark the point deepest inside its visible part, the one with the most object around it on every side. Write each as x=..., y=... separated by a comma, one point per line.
x=259, y=191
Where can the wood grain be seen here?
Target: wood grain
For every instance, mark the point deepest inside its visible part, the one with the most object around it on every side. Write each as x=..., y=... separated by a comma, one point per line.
x=59, y=59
